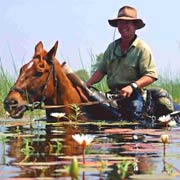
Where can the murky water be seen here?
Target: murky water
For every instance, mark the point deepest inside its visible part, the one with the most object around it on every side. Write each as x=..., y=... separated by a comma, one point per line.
x=40, y=150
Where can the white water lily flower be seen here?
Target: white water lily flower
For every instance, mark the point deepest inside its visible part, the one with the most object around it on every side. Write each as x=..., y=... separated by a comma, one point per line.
x=164, y=138
x=58, y=115
x=7, y=113
x=83, y=139
x=172, y=123
x=164, y=118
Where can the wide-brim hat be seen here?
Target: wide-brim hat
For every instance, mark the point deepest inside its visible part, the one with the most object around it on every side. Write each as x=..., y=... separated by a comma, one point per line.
x=127, y=13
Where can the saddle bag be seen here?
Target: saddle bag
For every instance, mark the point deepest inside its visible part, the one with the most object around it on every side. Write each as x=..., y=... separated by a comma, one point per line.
x=158, y=102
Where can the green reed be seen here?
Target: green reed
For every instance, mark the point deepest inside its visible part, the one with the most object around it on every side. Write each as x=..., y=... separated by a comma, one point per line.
x=171, y=84
x=6, y=82
x=27, y=150
x=3, y=140
x=123, y=168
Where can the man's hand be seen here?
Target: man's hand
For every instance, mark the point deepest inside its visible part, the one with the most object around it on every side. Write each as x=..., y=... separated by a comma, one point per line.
x=126, y=91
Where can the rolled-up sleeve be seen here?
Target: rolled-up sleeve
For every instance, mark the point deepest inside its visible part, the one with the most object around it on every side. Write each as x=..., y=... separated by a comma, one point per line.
x=147, y=64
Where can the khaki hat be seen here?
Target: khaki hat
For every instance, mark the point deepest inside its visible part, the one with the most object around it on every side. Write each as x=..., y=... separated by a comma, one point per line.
x=127, y=13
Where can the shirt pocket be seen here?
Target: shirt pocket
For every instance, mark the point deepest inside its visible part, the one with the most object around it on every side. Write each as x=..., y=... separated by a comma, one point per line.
x=132, y=68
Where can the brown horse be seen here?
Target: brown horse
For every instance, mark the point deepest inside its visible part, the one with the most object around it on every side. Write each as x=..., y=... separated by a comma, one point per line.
x=43, y=79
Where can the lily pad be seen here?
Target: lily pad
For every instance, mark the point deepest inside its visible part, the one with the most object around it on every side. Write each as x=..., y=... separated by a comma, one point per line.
x=151, y=177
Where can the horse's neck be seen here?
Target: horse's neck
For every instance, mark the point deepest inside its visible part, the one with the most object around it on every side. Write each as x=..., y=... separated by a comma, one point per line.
x=66, y=92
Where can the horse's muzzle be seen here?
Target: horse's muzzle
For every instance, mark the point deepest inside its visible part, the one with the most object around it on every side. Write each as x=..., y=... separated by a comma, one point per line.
x=12, y=108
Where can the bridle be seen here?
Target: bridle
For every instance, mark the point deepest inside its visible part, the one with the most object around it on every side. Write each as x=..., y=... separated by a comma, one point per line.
x=43, y=88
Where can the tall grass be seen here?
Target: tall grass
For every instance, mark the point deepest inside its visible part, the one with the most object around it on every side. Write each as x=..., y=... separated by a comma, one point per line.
x=6, y=82
x=171, y=84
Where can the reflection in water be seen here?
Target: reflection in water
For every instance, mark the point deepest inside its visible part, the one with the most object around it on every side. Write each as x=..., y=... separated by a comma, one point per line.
x=47, y=150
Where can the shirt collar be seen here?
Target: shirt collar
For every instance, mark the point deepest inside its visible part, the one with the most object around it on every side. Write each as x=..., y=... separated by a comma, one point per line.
x=117, y=51
x=135, y=41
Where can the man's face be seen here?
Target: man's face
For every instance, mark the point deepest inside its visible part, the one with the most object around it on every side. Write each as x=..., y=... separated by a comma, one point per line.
x=126, y=28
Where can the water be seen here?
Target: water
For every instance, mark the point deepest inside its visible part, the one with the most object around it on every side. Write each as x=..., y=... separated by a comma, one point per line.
x=41, y=150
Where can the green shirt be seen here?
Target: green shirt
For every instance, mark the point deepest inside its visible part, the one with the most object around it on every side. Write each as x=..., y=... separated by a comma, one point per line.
x=123, y=69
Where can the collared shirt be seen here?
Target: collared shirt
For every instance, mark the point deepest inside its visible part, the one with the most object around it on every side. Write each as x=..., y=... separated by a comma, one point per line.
x=123, y=69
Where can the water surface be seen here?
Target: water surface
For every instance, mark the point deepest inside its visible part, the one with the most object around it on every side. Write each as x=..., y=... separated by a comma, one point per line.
x=39, y=150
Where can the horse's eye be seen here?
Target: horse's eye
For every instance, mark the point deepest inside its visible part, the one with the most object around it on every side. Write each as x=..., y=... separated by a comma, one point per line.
x=38, y=74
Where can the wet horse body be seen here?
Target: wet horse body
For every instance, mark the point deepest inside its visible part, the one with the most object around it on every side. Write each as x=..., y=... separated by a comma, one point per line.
x=42, y=80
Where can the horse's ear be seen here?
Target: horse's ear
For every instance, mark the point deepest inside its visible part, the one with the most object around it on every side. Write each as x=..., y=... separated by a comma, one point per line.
x=52, y=52
x=38, y=48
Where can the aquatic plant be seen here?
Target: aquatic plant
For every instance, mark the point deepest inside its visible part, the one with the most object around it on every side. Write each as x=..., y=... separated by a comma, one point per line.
x=74, y=169
x=123, y=168
x=84, y=140
x=58, y=115
x=77, y=112
x=51, y=147
x=100, y=124
x=172, y=123
x=59, y=147
x=3, y=139
x=27, y=150
x=165, y=119
x=101, y=166
x=71, y=117
x=164, y=139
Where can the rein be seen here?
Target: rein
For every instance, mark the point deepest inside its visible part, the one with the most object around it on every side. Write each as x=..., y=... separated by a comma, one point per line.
x=46, y=82
x=39, y=104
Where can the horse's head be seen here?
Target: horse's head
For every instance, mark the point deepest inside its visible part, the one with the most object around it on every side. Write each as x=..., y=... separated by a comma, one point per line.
x=34, y=79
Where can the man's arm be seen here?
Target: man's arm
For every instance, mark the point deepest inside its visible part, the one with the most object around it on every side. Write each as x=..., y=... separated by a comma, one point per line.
x=145, y=81
x=142, y=82
x=95, y=78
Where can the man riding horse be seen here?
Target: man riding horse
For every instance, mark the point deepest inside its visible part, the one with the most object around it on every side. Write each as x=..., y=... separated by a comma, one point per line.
x=43, y=80
x=128, y=64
